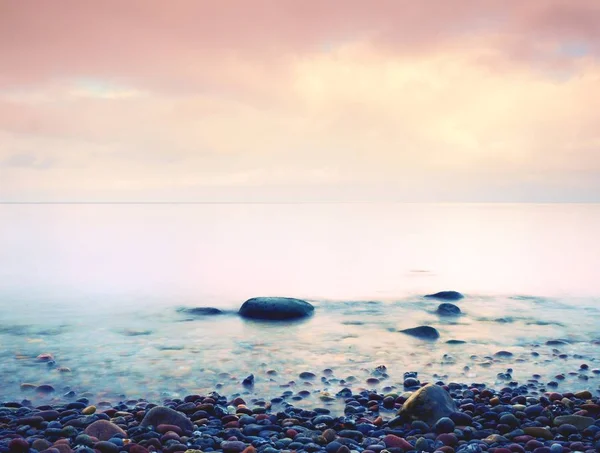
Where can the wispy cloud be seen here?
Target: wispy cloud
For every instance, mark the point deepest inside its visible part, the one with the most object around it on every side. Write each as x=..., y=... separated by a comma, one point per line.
x=27, y=160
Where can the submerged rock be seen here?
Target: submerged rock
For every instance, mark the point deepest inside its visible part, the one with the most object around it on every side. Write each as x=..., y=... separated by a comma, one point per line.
x=248, y=381
x=448, y=310
x=276, y=308
x=446, y=295
x=44, y=388
x=429, y=404
x=424, y=332
x=135, y=333
x=200, y=311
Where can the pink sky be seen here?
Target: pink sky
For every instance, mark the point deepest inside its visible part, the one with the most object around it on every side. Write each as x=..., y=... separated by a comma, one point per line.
x=300, y=100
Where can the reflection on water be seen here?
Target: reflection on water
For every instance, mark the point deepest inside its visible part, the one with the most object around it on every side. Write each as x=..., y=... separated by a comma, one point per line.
x=99, y=288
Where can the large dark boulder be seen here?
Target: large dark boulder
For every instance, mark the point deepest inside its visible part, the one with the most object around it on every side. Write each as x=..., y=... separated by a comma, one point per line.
x=275, y=308
x=448, y=310
x=423, y=332
x=429, y=404
x=446, y=295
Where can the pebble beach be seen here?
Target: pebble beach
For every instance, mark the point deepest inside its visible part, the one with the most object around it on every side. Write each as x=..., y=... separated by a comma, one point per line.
x=476, y=419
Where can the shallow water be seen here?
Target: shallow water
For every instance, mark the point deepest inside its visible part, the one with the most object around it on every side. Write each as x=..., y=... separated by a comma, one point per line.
x=98, y=286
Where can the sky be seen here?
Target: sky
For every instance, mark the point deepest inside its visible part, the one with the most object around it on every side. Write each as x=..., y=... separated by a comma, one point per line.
x=289, y=100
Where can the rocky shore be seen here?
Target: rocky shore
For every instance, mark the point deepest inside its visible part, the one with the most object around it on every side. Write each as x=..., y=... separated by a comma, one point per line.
x=440, y=417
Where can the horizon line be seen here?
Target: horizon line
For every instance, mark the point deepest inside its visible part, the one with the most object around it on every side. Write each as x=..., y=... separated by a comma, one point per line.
x=238, y=202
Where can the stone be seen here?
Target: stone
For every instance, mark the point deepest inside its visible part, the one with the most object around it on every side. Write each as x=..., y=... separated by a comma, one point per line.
x=566, y=430
x=446, y=295
x=44, y=388
x=444, y=425
x=135, y=448
x=161, y=415
x=200, y=311
x=495, y=438
x=423, y=332
x=393, y=441
x=556, y=342
x=106, y=447
x=275, y=308
x=104, y=430
x=62, y=447
x=329, y=435
x=89, y=410
x=429, y=404
x=163, y=429
x=577, y=421
x=18, y=445
x=41, y=444
x=48, y=415
x=307, y=375
x=233, y=446
x=411, y=382
x=510, y=420
x=84, y=439
x=422, y=444
x=448, y=310
x=34, y=420
x=538, y=432
x=448, y=439
x=461, y=419
x=584, y=395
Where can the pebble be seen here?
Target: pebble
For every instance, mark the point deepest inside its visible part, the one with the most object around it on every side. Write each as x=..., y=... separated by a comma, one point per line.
x=106, y=447
x=393, y=441
x=540, y=432
x=18, y=445
x=89, y=410
x=444, y=425
x=512, y=419
x=104, y=430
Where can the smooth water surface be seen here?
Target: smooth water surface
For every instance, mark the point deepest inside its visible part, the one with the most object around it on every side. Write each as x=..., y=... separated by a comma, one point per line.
x=98, y=286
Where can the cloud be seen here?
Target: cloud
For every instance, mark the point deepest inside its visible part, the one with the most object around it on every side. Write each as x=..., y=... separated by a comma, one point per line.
x=191, y=45
x=459, y=97
x=27, y=160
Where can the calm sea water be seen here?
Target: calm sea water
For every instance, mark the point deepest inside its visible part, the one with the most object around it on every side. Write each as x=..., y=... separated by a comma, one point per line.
x=98, y=287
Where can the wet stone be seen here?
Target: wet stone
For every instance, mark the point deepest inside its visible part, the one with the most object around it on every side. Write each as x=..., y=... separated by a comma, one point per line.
x=106, y=447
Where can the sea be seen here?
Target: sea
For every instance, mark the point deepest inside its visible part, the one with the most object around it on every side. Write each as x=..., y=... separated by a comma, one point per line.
x=101, y=287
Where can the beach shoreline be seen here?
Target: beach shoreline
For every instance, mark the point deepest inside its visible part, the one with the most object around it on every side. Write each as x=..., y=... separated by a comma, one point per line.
x=515, y=419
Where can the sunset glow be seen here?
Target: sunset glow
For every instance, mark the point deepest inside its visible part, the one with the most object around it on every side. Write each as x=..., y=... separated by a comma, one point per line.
x=290, y=100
